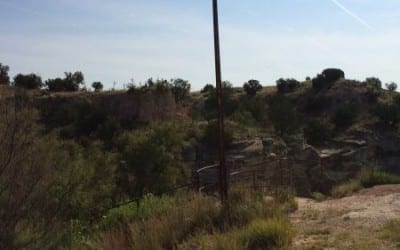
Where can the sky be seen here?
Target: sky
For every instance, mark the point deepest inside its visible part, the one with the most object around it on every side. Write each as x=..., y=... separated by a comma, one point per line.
x=123, y=40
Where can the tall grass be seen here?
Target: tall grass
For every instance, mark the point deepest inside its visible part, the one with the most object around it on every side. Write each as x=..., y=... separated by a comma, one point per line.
x=367, y=177
x=199, y=220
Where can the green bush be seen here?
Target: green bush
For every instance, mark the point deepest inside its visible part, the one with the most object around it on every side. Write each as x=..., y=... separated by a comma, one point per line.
x=373, y=82
x=267, y=234
x=345, y=115
x=317, y=104
x=318, y=131
x=388, y=113
x=283, y=115
x=252, y=87
x=153, y=158
x=287, y=85
x=210, y=136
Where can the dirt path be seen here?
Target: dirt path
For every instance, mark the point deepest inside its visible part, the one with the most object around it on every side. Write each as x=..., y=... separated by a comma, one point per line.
x=353, y=222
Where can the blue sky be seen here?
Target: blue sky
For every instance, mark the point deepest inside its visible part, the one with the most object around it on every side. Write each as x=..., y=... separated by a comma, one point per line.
x=115, y=41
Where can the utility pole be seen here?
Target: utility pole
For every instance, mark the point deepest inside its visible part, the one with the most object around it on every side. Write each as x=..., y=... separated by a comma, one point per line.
x=223, y=183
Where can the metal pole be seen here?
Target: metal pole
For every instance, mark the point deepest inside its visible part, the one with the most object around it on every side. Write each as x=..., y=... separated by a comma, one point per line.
x=223, y=183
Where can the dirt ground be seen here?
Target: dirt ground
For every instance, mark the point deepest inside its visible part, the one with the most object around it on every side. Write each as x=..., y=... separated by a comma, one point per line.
x=353, y=222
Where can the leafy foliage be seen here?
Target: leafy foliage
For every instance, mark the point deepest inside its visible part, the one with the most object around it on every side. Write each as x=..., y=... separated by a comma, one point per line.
x=317, y=131
x=210, y=136
x=31, y=81
x=388, y=113
x=317, y=104
x=391, y=86
x=283, y=115
x=4, y=78
x=210, y=103
x=97, y=86
x=373, y=82
x=71, y=82
x=153, y=159
x=345, y=114
x=327, y=78
x=45, y=182
x=180, y=88
x=287, y=85
x=252, y=87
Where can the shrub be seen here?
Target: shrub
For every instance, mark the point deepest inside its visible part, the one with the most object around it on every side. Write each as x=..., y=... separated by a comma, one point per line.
x=391, y=86
x=180, y=88
x=71, y=82
x=30, y=81
x=283, y=115
x=207, y=88
x=210, y=136
x=317, y=131
x=316, y=104
x=252, y=87
x=97, y=86
x=345, y=115
x=373, y=82
x=332, y=75
x=267, y=234
x=4, y=78
x=210, y=103
x=243, y=117
x=327, y=79
x=388, y=113
x=287, y=85
x=153, y=157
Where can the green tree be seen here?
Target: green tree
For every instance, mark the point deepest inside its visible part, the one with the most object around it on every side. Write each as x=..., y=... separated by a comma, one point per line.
x=283, y=115
x=252, y=87
x=207, y=88
x=154, y=159
x=97, y=86
x=317, y=131
x=46, y=183
x=210, y=103
x=391, y=86
x=30, y=81
x=287, y=85
x=4, y=78
x=388, y=113
x=70, y=83
x=180, y=88
x=345, y=115
x=373, y=82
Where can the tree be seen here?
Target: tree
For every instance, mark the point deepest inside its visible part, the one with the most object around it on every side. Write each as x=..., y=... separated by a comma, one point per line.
x=4, y=78
x=373, y=82
x=391, y=86
x=30, y=81
x=210, y=103
x=388, y=113
x=206, y=89
x=46, y=183
x=71, y=82
x=286, y=85
x=327, y=78
x=283, y=115
x=345, y=114
x=154, y=159
x=252, y=87
x=317, y=131
x=180, y=88
x=97, y=86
